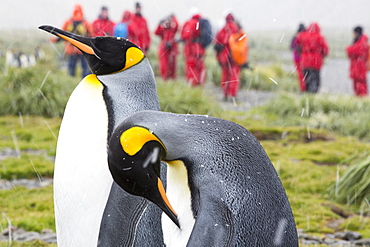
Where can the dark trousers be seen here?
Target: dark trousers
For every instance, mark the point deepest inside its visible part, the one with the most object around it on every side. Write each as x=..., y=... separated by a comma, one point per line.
x=72, y=62
x=312, y=80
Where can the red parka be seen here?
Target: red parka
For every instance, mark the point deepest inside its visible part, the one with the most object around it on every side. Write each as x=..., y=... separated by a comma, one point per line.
x=230, y=70
x=189, y=34
x=313, y=46
x=140, y=34
x=357, y=54
x=168, y=47
x=194, y=52
x=103, y=27
x=167, y=33
x=222, y=38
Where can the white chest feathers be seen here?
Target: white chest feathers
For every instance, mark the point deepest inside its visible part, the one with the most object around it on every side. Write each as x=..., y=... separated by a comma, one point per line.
x=178, y=194
x=81, y=178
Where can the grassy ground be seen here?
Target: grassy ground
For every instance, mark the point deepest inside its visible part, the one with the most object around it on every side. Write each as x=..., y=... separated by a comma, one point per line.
x=345, y=115
x=308, y=138
x=307, y=161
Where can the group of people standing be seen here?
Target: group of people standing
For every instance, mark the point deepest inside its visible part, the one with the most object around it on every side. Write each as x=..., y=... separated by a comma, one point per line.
x=133, y=26
x=230, y=43
x=196, y=35
x=310, y=48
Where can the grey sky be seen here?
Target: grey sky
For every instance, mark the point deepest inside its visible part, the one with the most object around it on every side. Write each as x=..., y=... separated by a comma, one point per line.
x=253, y=14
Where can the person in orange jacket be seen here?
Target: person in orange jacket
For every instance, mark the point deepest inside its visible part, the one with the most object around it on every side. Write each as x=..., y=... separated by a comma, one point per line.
x=140, y=36
x=78, y=25
x=230, y=70
x=103, y=26
x=194, y=52
x=168, y=51
x=358, y=54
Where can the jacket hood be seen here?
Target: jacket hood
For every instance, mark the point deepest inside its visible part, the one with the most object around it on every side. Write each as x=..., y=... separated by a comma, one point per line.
x=126, y=16
x=313, y=28
x=362, y=38
x=196, y=16
x=230, y=17
x=78, y=14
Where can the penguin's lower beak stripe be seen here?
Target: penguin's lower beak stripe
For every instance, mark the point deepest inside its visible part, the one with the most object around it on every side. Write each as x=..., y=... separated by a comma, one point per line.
x=164, y=196
x=85, y=48
x=133, y=139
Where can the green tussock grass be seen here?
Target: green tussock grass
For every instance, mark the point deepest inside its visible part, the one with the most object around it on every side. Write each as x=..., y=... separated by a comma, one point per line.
x=354, y=186
x=185, y=99
x=41, y=90
x=344, y=115
x=35, y=91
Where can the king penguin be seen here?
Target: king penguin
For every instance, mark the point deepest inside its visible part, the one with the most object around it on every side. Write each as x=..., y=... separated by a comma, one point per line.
x=88, y=203
x=222, y=189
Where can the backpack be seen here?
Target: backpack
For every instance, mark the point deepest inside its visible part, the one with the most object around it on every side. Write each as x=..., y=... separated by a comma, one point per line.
x=121, y=30
x=77, y=27
x=205, y=37
x=238, y=43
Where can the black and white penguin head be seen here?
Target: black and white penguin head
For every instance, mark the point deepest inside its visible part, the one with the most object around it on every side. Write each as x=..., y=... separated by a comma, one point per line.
x=134, y=159
x=105, y=55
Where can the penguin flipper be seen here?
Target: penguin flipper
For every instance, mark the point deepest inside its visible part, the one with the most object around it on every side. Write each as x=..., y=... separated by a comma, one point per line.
x=213, y=226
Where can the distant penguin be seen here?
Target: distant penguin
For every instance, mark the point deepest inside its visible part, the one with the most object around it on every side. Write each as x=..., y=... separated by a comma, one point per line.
x=222, y=189
x=89, y=210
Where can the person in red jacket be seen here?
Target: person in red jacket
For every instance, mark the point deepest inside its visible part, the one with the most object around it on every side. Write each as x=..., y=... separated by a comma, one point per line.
x=314, y=48
x=358, y=53
x=103, y=26
x=230, y=70
x=297, y=57
x=139, y=25
x=193, y=51
x=78, y=25
x=123, y=29
x=167, y=30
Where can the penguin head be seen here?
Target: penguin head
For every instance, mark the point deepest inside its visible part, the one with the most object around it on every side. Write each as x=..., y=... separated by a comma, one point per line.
x=134, y=159
x=105, y=55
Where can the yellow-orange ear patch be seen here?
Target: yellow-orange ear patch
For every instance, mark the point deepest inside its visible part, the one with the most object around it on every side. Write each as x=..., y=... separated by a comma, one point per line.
x=133, y=56
x=133, y=139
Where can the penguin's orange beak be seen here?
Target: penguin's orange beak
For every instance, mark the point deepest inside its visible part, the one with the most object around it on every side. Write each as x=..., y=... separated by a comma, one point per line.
x=105, y=55
x=82, y=43
x=166, y=206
